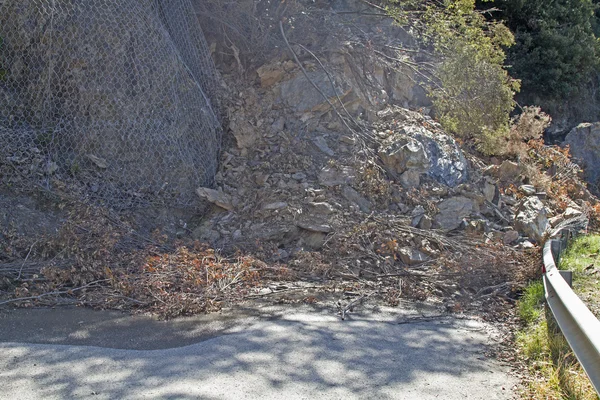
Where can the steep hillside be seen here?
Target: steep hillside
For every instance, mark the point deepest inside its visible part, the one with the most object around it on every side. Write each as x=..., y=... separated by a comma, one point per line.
x=335, y=184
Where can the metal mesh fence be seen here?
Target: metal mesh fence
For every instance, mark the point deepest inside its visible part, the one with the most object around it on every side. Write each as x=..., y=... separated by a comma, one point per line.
x=107, y=99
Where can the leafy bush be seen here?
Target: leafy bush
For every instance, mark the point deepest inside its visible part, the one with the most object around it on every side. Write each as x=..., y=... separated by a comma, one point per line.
x=471, y=90
x=556, y=50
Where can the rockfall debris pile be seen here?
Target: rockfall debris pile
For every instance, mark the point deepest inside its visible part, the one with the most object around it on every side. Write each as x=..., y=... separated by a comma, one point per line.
x=334, y=184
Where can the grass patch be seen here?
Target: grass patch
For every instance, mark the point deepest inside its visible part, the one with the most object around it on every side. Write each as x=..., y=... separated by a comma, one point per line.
x=555, y=370
x=583, y=258
x=530, y=304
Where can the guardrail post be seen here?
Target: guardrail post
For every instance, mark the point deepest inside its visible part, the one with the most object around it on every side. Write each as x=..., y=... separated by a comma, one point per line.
x=567, y=276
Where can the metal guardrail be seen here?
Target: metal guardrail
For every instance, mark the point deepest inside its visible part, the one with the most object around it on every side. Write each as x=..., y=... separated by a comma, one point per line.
x=577, y=323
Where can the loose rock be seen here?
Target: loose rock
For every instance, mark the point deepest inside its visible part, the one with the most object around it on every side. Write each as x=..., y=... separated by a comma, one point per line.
x=410, y=256
x=510, y=237
x=355, y=197
x=218, y=198
x=531, y=218
x=452, y=211
x=330, y=176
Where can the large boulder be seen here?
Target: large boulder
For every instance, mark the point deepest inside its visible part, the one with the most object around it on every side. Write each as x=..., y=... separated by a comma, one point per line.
x=435, y=154
x=584, y=143
x=532, y=218
x=403, y=154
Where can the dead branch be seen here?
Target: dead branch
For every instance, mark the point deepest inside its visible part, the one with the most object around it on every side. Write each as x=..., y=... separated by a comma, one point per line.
x=55, y=293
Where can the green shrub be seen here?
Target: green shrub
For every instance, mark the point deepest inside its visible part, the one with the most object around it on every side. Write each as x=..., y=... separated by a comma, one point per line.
x=471, y=91
x=556, y=51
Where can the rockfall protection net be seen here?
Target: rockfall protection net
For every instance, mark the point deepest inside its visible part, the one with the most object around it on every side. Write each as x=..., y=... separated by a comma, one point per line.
x=107, y=99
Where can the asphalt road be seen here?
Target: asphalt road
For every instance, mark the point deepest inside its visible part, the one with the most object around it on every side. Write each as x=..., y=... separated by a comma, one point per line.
x=300, y=354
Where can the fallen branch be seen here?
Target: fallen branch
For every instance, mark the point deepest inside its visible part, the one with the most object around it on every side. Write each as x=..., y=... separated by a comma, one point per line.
x=55, y=293
x=350, y=306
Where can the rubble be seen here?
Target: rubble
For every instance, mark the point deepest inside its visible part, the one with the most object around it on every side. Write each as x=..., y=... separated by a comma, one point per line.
x=218, y=198
x=452, y=211
x=411, y=257
x=300, y=191
x=531, y=218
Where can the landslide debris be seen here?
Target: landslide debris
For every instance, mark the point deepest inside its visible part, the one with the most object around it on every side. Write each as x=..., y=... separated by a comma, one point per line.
x=372, y=201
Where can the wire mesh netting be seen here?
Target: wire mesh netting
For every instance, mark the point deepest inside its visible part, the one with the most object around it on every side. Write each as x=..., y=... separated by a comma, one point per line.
x=107, y=99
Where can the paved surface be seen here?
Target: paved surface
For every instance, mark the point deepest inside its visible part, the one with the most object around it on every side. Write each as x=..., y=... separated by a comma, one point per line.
x=299, y=354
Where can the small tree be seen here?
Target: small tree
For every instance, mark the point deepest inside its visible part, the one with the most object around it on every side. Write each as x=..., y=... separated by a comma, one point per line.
x=470, y=88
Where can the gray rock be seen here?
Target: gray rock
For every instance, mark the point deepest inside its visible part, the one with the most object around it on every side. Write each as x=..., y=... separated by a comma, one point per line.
x=275, y=206
x=417, y=214
x=417, y=211
x=314, y=226
x=527, y=245
x=281, y=255
x=489, y=190
x=403, y=154
x=572, y=212
x=410, y=179
x=410, y=256
x=321, y=208
x=510, y=237
x=278, y=125
x=299, y=176
x=452, y=211
x=448, y=163
x=436, y=154
x=353, y=196
x=508, y=171
x=426, y=222
x=284, y=234
x=527, y=190
x=531, y=218
x=321, y=143
x=313, y=240
x=218, y=198
x=299, y=93
x=330, y=176
x=584, y=144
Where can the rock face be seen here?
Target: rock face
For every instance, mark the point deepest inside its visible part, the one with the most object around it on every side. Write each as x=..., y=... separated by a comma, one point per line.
x=123, y=82
x=452, y=211
x=532, y=218
x=584, y=143
x=417, y=149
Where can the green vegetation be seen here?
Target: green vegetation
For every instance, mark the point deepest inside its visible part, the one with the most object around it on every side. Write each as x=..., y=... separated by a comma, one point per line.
x=558, y=374
x=530, y=304
x=583, y=258
x=470, y=88
x=556, y=51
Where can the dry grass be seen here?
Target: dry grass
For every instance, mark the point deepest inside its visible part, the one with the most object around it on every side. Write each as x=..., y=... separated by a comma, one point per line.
x=553, y=366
